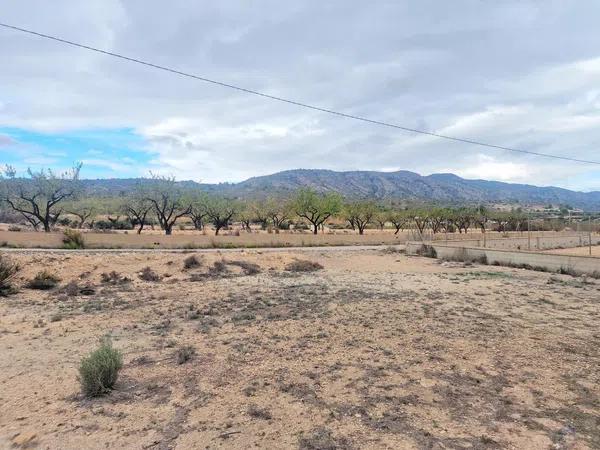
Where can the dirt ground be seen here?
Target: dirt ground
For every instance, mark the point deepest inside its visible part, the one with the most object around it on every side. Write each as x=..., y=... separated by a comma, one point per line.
x=577, y=251
x=376, y=350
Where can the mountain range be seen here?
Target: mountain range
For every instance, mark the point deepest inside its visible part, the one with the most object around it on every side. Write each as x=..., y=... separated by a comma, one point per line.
x=401, y=185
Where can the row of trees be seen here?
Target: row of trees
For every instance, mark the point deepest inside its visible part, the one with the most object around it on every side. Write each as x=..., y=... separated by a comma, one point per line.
x=43, y=198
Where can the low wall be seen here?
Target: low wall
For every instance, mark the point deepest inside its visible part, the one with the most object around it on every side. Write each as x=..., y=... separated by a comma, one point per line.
x=546, y=261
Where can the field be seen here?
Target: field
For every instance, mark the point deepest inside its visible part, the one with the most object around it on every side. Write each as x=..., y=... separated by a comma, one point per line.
x=374, y=350
x=577, y=251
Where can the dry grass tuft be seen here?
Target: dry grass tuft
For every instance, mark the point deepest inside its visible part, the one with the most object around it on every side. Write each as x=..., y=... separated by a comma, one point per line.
x=301, y=265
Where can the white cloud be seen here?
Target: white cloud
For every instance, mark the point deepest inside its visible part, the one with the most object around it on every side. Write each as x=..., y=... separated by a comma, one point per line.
x=509, y=73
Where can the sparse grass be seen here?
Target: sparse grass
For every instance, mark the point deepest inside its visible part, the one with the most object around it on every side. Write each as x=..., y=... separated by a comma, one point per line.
x=147, y=274
x=43, y=281
x=8, y=271
x=191, y=262
x=301, y=265
x=98, y=372
x=248, y=267
x=73, y=239
x=184, y=354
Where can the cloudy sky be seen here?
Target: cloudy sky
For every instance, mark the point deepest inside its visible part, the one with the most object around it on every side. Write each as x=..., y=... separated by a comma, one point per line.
x=519, y=73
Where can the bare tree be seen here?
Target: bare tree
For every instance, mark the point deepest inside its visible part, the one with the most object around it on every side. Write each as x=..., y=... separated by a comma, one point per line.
x=82, y=210
x=37, y=198
x=137, y=208
x=169, y=201
x=220, y=211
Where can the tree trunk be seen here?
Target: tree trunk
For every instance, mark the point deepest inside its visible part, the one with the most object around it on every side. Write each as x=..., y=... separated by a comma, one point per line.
x=315, y=228
x=168, y=230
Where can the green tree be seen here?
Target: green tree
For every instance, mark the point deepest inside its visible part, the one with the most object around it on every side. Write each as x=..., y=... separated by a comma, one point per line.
x=359, y=214
x=316, y=208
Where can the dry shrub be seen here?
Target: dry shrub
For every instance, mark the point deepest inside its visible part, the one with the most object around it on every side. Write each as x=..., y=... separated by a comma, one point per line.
x=185, y=354
x=73, y=239
x=248, y=267
x=301, y=265
x=113, y=277
x=191, y=262
x=8, y=271
x=99, y=371
x=259, y=413
x=147, y=274
x=323, y=439
x=44, y=281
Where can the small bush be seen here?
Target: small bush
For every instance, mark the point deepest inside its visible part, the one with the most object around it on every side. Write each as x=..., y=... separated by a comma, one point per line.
x=259, y=413
x=147, y=274
x=8, y=271
x=71, y=288
x=185, y=354
x=73, y=239
x=427, y=250
x=113, y=277
x=99, y=371
x=44, y=281
x=191, y=261
x=14, y=228
x=301, y=265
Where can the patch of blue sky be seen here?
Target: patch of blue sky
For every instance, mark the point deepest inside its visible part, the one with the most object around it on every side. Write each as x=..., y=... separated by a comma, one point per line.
x=105, y=153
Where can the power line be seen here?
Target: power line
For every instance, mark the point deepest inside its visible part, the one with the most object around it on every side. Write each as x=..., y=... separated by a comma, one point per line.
x=293, y=102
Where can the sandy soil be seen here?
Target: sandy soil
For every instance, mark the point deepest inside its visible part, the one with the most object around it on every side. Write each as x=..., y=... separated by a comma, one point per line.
x=377, y=350
x=577, y=251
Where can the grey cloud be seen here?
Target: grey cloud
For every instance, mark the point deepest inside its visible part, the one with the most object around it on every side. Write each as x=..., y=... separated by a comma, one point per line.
x=436, y=65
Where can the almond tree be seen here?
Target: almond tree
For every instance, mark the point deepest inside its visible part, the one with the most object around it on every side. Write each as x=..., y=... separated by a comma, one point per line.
x=220, y=211
x=137, y=208
x=360, y=214
x=316, y=208
x=399, y=218
x=169, y=201
x=38, y=197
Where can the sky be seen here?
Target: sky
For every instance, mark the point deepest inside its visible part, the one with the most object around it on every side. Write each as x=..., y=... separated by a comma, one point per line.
x=514, y=73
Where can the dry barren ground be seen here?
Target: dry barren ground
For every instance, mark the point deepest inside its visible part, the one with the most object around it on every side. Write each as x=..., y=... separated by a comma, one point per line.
x=577, y=251
x=377, y=350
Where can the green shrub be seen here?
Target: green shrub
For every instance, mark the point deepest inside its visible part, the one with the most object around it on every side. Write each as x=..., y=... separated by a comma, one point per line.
x=8, y=271
x=98, y=372
x=44, y=280
x=73, y=239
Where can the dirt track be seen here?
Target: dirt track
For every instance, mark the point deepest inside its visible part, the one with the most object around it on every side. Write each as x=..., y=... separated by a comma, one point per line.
x=377, y=350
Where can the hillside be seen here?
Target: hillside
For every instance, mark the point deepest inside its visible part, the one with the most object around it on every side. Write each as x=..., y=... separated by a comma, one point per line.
x=447, y=188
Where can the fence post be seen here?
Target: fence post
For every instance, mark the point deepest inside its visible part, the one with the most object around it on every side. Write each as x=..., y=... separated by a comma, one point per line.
x=528, y=232
x=590, y=234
